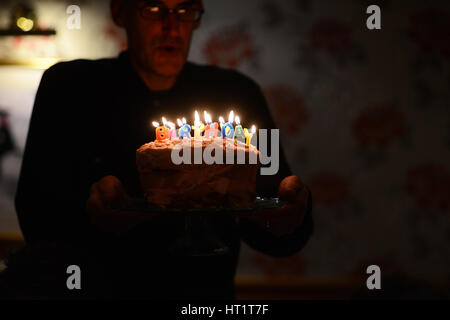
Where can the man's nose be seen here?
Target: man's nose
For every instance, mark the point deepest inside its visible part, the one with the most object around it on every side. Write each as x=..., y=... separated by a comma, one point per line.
x=170, y=23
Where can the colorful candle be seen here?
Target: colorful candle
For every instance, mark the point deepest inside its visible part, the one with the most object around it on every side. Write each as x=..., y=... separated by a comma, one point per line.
x=173, y=130
x=249, y=135
x=198, y=126
x=239, y=134
x=222, y=122
x=162, y=132
x=185, y=129
x=211, y=129
x=227, y=128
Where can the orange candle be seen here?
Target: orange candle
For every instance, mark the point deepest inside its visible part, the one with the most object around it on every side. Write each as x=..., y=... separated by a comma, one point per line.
x=162, y=132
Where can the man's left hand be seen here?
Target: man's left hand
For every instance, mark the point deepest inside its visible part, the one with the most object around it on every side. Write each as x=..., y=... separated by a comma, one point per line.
x=286, y=219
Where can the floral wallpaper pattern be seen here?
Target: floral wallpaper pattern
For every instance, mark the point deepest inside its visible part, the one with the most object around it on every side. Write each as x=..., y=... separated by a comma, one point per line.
x=365, y=120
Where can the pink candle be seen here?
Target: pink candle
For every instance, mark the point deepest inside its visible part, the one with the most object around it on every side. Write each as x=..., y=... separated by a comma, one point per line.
x=173, y=131
x=210, y=128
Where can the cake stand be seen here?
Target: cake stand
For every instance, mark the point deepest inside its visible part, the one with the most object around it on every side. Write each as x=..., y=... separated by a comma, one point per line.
x=198, y=237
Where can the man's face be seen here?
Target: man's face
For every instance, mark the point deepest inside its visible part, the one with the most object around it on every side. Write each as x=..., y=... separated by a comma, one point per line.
x=159, y=46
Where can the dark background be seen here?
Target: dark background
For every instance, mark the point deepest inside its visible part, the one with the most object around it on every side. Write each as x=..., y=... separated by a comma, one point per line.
x=364, y=117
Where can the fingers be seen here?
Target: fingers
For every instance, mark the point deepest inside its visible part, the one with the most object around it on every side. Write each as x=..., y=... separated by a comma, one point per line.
x=110, y=192
x=289, y=188
x=105, y=195
x=110, y=189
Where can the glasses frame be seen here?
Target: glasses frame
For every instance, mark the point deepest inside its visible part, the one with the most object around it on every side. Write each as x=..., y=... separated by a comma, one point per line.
x=166, y=11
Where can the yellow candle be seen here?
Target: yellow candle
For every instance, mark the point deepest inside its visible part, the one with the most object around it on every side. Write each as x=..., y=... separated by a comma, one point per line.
x=249, y=135
x=198, y=126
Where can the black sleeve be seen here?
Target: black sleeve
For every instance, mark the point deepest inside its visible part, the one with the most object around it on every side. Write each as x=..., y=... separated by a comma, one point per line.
x=267, y=186
x=48, y=201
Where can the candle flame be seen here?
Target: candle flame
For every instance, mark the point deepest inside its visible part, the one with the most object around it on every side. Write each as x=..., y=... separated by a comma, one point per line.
x=231, y=117
x=237, y=120
x=205, y=116
x=208, y=118
x=171, y=125
x=253, y=129
x=164, y=121
x=184, y=120
x=155, y=124
x=180, y=124
x=197, y=119
x=221, y=120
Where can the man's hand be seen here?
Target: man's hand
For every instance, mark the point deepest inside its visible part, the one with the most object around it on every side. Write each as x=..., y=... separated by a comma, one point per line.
x=285, y=219
x=106, y=199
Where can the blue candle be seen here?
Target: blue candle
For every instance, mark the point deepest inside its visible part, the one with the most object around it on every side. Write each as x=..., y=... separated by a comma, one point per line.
x=227, y=128
x=185, y=129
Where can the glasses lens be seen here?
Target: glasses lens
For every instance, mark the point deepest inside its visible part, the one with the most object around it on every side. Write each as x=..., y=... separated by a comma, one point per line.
x=158, y=11
x=188, y=14
x=152, y=12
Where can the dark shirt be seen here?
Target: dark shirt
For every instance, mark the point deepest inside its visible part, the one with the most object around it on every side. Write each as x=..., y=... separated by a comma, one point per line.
x=88, y=120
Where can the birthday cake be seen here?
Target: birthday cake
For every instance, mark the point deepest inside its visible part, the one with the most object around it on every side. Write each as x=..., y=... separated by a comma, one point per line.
x=170, y=181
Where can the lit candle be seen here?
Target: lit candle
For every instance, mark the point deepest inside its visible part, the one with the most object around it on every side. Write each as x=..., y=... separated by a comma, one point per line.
x=162, y=132
x=249, y=135
x=211, y=129
x=227, y=128
x=185, y=129
x=221, y=121
x=239, y=134
x=169, y=125
x=173, y=130
x=198, y=126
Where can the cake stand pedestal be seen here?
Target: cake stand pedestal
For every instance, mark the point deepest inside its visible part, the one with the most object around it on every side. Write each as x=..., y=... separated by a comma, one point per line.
x=198, y=238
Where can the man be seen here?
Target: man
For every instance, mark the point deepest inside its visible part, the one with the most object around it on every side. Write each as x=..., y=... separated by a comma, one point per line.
x=79, y=164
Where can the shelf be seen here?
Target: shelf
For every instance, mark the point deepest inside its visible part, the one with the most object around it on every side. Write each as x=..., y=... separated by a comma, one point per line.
x=15, y=33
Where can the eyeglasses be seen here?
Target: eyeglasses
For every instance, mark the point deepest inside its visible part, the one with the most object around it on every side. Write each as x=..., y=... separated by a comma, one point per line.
x=153, y=10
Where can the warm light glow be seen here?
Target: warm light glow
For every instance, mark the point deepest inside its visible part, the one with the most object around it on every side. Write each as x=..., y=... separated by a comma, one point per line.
x=180, y=124
x=237, y=120
x=221, y=120
x=184, y=120
x=208, y=118
x=197, y=119
x=231, y=117
x=42, y=63
x=253, y=129
x=164, y=121
x=205, y=116
x=155, y=124
x=171, y=125
x=25, y=24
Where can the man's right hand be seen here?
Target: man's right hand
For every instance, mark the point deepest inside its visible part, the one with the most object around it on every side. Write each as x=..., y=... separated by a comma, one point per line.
x=106, y=199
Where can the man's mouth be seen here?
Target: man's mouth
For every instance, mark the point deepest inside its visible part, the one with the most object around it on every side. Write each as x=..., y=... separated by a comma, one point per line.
x=169, y=48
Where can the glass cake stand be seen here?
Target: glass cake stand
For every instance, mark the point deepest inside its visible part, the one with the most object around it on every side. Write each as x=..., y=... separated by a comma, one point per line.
x=198, y=237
